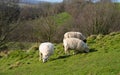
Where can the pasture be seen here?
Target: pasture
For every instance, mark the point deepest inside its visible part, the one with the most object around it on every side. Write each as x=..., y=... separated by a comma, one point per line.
x=103, y=59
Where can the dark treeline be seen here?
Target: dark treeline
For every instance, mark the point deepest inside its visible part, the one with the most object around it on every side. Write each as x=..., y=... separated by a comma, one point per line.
x=36, y=23
x=9, y=14
x=34, y=11
x=94, y=18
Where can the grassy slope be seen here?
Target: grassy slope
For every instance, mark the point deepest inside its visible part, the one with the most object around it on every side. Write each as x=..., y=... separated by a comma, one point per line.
x=62, y=18
x=104, y=59
x=59, y=19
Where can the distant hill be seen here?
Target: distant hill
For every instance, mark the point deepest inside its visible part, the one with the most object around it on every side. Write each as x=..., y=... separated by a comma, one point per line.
x=31, y=2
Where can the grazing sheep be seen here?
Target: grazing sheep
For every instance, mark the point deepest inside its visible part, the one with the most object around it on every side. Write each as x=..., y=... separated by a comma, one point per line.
x=45, y=51
x=76, y=44
x=75, y=35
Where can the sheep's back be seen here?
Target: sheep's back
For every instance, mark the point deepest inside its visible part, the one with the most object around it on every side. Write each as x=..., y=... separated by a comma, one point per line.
x=72, y=43
x=46, y=48
x=74, y=35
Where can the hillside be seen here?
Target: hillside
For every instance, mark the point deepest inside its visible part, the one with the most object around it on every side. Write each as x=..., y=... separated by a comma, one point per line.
x=103, y=59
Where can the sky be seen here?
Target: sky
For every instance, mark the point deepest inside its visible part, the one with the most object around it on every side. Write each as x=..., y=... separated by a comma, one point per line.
x=111, y=0
x=117, y=0
x=51, y=0
x=58, y=0
x=62, y=0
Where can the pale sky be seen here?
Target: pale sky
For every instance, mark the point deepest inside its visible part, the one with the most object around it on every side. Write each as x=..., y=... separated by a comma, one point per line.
x=117, y=0
x=62, y=0
x=112, y=0
x=51, y=0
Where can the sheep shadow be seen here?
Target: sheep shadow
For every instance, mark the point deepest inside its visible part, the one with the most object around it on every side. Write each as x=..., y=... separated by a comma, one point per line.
x=1, y=56
x=67, y=56
x=61, y=57
x=93, y=50
x=90, y=50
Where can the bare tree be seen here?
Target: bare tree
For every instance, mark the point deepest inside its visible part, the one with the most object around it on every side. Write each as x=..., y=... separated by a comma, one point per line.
x=9, y=13
x=93, y=18
x=46, y=29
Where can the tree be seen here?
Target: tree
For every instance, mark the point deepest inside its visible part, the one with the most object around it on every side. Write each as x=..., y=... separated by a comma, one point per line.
x=93, y=18
x=9, y=14
x=45, y=29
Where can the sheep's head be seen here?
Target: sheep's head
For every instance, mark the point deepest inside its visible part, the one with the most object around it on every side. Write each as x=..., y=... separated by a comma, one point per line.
x=45, y=58
x=86, y=50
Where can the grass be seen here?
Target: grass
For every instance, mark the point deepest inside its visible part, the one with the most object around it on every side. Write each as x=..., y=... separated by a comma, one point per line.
x=58, y=19
x=62, y=18
x=103, y=59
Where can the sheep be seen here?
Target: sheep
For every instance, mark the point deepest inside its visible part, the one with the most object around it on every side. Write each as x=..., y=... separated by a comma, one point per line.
x=46, y=49
x=75, y=44
x=75, y=35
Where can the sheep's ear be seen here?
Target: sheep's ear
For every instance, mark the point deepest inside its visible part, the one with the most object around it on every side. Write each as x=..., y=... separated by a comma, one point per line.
x=85, y=40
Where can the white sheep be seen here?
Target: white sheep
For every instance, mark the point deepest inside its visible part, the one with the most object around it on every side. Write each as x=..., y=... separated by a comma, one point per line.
x=46, y=49
x=75, y=35
x=74, y=44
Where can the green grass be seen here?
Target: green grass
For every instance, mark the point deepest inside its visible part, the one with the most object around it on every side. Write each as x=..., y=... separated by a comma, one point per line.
x=58, y=19
x=62, y=18
x=103, y=59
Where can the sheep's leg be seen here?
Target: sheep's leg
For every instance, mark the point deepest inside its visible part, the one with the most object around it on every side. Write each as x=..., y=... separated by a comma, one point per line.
x=65, y=49
x=75, y=52
x=40, y=56
x=67, y=52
